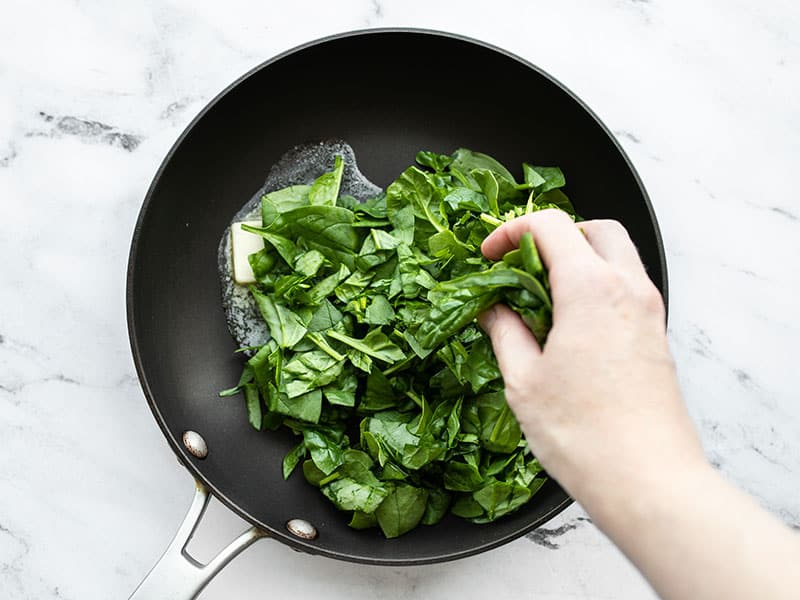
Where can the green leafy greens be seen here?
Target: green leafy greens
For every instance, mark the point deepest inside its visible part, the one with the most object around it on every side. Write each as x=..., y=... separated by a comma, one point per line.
x=375, y=360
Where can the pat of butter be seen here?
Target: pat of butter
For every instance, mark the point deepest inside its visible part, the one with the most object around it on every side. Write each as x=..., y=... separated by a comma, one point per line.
x=243, y=244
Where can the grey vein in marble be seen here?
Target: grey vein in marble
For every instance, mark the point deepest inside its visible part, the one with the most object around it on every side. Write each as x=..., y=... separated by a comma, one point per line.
x=701, y=342
x=769, y=458
x=13, y=561
x=375, y=14
x=627, y=135
x=9, y=157
x=87, y=130
x=16, y=387
x=702, y=346
x=544, y=536
x=784, y=213
x=174, y=110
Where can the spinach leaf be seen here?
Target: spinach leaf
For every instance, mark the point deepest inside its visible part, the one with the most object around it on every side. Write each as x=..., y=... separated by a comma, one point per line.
x=543, y=179
x=499, y=190
x=353, y=286
x=414, y=189
x=353, y=486
x=380, y=311
x=530, y=256
x=293, y=458
x=261, y=365
x=402, y=510
x=555, y=199
x=360, y=360
x=262, y=263
x=325, y=190
x=325, y=316
x=456, y=303
x=538, y=320
x=462, y=198
x=466, y=507
x=446, y=245
x=489, y=183
x=390, y=428
x=312, y=473
x=285, y=247
x=436, y=507
x=467, y=160
x=432, y=160
x=374, y=207
x=393, y=431
x=375, y=344
x=246, y=377
x=285, y=327
x=326, y=448
x=274, y=204
x=309, y=263
x=326, y=286
x=462, y=477
x=379, y=394
x=362, y=520
x=327, y=229
x=253, y=405
x=481, y=365
x=342, y=392
x=307, y=371
x=500, y=498
x=500, y=430
x=306, y=406
x=532, y=176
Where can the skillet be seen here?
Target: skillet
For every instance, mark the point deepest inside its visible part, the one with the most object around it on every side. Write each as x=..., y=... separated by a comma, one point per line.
x=388, y=93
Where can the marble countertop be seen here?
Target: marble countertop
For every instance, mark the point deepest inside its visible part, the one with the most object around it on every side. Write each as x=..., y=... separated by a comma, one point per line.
x=703, y=96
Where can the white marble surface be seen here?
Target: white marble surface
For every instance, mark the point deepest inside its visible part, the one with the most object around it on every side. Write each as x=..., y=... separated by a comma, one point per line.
x=92, y=94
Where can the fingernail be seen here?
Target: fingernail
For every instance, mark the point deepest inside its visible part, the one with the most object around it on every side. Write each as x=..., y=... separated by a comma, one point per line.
x=486, y=319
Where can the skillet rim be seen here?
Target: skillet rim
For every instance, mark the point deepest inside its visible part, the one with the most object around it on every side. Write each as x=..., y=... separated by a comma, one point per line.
x=177, y=446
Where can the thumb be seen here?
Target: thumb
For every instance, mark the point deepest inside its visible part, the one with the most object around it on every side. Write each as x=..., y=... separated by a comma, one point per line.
x=514, y=345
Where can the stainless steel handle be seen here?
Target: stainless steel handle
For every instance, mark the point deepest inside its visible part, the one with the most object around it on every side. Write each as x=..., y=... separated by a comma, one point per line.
x=177, y=575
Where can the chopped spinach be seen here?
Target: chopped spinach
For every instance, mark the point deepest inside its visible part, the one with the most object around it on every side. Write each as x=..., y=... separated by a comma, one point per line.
x=371, y=309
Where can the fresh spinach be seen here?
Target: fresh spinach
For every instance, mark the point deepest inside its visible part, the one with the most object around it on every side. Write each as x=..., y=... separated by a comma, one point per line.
x=371, y=310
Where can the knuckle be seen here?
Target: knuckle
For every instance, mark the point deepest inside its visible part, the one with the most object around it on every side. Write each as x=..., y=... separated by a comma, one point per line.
x=606, y=229
x=555, y=215
x=513, y=387
x=585, y=279
x=592, y=282
x=649, y=298
x=612, y=226
x=500, y=333
x=548, y=215
x=518, y=385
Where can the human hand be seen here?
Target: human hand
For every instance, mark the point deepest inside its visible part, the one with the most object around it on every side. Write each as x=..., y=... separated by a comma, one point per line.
x=600, y=403
x=601, y=409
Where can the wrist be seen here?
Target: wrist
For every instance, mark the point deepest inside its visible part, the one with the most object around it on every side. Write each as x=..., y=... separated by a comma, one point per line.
x=637, y=492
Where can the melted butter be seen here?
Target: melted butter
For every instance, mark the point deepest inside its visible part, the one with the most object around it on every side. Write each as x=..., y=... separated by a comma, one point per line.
x=301, y=165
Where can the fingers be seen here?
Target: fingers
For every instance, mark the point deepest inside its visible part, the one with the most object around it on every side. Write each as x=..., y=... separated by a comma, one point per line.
x=557, y=238
x=613, y=244
x=514, y=345
x=560, y=241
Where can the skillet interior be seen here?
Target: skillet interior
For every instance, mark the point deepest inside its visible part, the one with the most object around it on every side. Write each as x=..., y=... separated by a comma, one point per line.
x=389, y=94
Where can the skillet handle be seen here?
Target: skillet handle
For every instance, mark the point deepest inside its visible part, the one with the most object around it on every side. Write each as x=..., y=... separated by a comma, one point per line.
x=177, y=575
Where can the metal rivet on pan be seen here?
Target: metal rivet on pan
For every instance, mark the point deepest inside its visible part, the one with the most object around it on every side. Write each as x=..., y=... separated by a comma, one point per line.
x=302, y=529
x=195, y=444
